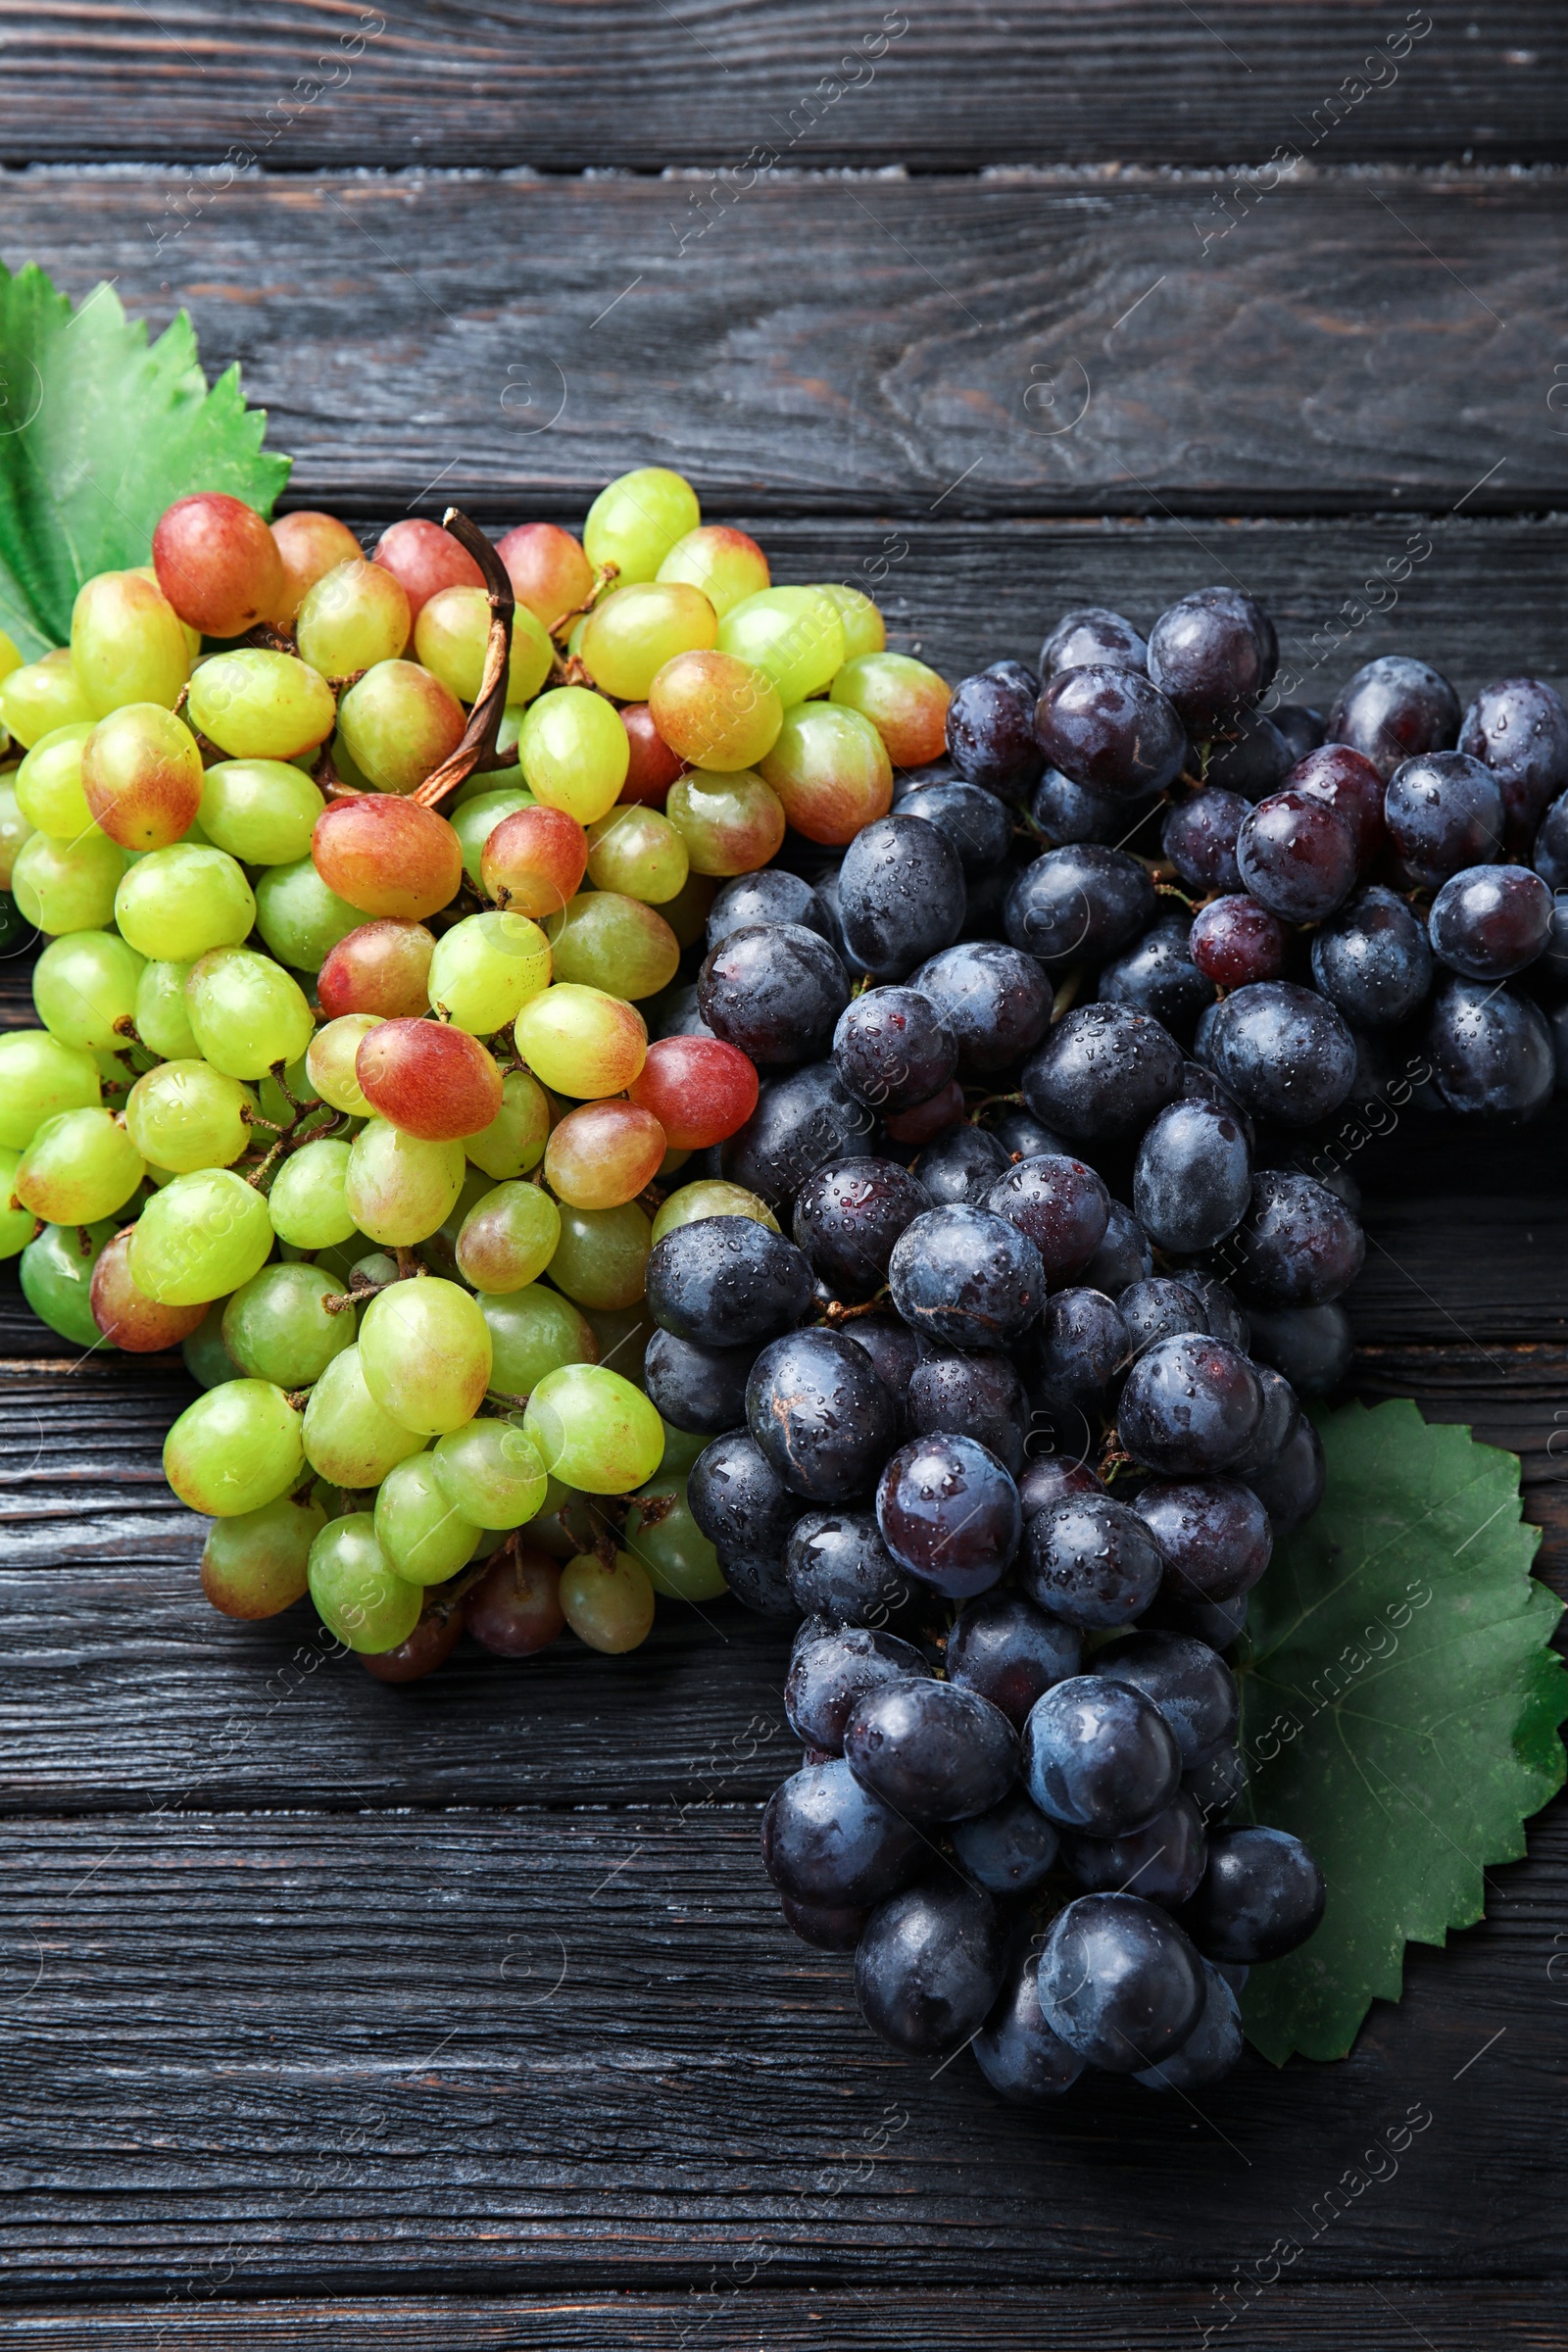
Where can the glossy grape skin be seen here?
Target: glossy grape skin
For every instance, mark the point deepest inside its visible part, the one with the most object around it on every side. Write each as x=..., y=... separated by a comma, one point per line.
x=826, y=1928
x=931, y=1750
x=310, y=545
x=980, y=1394
x=1188, y=1682
x=1120, y=1983
x=1190, y=1407
x=1158, y=1309
x=700, y=1389
x=975, y=821
x=909, y=1129
x=895, y=1350
x=1283, y=1051
x=1090, y=1561
x=739, y=1501
x=200, y=1237
x=1210, y=654
x=1102, y=1073
x=1234, y=941
x=728, y=1282
x=1262, y=1895
x=1193, y=1178
x=388, y=856
x=218, y=564
x=1213, y=1532
x=849, y=1214
x=990, y=733
x=1297, y=856
x=430, y=1081
x=1373, y=960
x=127, y=643
x=1250, y=758
x=141, y=776
x=41, y=1076
x=534, y=1332
x=840, y=1570
x=593, y=1430
x=1093, y=634
x=1519, y=728
x=276, y=1327
x=1080, y=1345
x=236, y=1448
x=700, y=1090
x=533, y=861
x=774, y=896
x=256, y=1563
x=893, y=1048
x=901, y=895
x=948, y=1513
x=1011, y=1652
x=827, y=1841
x=960, y=1167
x=581, y=1041
x=515, y=1611
x=775, y=991
x=81, y=1165
x=355, y=1589
x=425, y=1354
x=819, y=1413
x=1084, y=902
x=47, y=787
x=1008, y=1849
x=1160, y=975
x=1018, y=2054
x=122, y=1312
x=967, y=1279
x=800, y=1121
x=1200, y=837
x=1210, y=2050
x=548, y=569
x=352, y=617
x=1099, y=1757
x=725, y=563
x=1163, y=1862
x=381, y=968
x=1491, y=1049
x=1111, y=729
x=349, y=1440
x=1443, y=812
x=1490, y=921
x=56, y=1269
x=1065, y=812
x=1347, y=783
x=1298, y=1246
x=929, y=1967
x=995, y=1000
x=608, y=1608
x=1061, y=1203
x=425, y=559
x=183, y=901
x=1394, y=709
x=604, y=1155
x=903, y=698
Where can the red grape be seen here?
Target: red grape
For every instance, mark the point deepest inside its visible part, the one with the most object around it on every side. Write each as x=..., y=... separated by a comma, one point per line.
x=654, y=766
x=126, y=1315
x=387, y=855
x=424, y=558
x=699, y=1089
x=1234, y=941
x=604, y=1155
x=218, y=564
x=381, y=967
x=310, y=545
x=549, y=572
x=516, y=1609
x=430, y=1645
x=1352, y=786
x=534, y=862
x=429, y=1080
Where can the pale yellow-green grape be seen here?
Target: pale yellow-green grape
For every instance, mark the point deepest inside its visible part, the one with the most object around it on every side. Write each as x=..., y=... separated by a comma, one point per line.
x=864, y=629
x=235, y=1449
x=56, y=1273
x=246, y=1011
x=486, y=969
x=516, y=1138
x=491, y=1472
x=441, y=1250
x=48, y=785
x=40, y=1077
x=476, y=818
x=574, y=751
x=680, y=1561
x=508, y=1238
x=262, y=812
x=452, y=636
x=329, y=1061
x=200, y=1237
x=593, y=1430
x=83, y=985
x=581, y=1041
x=258, y=705
x=349, y=1440
x=42, y=696
x=309, y=1200
x=604, y=941
x=534, y=1332
x=178, y=902
x=127, y=643
x=193, y=637
x=81, y=1165
x=602, y=1256
x=299, y=918
x=637, y=851
x=354, y=616
x=637, y=518
x=14, y=829
x=66, y=886
x=399, y=723
x=185, y=1114
x=162, y=1021
x=611, y=1610
x=276, y=1326
x=205, y=1358
x=711, y=1196
x=632, y=632
x=259, y=1564
x=141, y=775
x=423, y=1534
x=720, y=561
x=795, y=635
x=399, y=1188
x=359, y=1595
x=424, y=1349
x=16, y=1225
x=731, y=825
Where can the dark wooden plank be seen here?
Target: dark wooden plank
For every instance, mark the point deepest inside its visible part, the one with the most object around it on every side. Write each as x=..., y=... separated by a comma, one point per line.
x=983, y=346
x=562, y=88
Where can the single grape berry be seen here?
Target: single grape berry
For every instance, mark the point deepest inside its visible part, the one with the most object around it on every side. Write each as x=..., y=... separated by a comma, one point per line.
x=1298, y=1246
x=1490, y=1051
x=975, y=821
x=774, y=989
x=816, y=1409
x=839, y=1568
x=1396, y=709
x=1250, y=758
x=800, y=1121
x=1091, y=1561
x=1349, y=784
x=1120, y=1983
x=948, y=1513
x=967, y=1279
x=1077, y=1348
x=1190, y=1405
x=774, y=896
x=1082, y=902
x=1160, y=1309
x=1102, y=1073
x=1282, y=1050
x=995, y=1000
x=1262, y=1895
x=1091, y=634
x=1296, y=856
x=929, y=1967
x=900, y=896
x=1188, y=1683
x=1111, y=729
x=1099, y=1757
x=739, y=1500
x=980, y=1394
x=1373, y=959
x=990, y=733
x=1443, y=812
x=961, y=1166
x=1213, y=1534
x=1011, y=1652
x=931, y=1750
x=1490, y=921
x=832, y=1667
x=1236, y=940
x=1519, y=728
x=1061, y=1203
x=827, y=1841
x=1209, y=653
x=1157, y=975
x=1163, y=1863
x=893, y=1048
x=1008, y=1849
x=848, y=1216
x=1200, y=837
x=728, y=1282
x=1068, y=812
x=1193, y=1177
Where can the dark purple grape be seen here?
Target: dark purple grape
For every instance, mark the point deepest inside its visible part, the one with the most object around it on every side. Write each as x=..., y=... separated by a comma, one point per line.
x=1373, y=960
x=990, y=733
x=965, y=1279
x=995, y=1000
x=1519, y=727
x=960, y=1167
x=1157, y=1310
x=1051, y=1478
x=1283, y=1051
x=1298, y=1245
x=1262, y=1895
x=774, y=989
x=1490, y=1051
x=1188, y=1683
x=773, y=896
x=1303, y=728
x=901, y=898
x=911, y=1129
x=980, y=1394
x=895, y=1350
x=1022, y=1136
x=1009, y=1850
x=1252, y=756
x=827, y=890
x=1291, y=1487
x=1200, y=837
x=1226, y=1320
x=827, y=1841
x=848, y=1216
x=1092, y=635
x=1217, y=1782
x=1213, y=1532
x=701, y=1389
x=1443, y=812
x=1066, y=812
x=1550, y=856
x=1123, y=1256
x=1079, y=903
x=1213, y=2047
x=1017, y=674
x=1491, y=921
x=1011, y=1652
x=1234, y=942
x=1190, y=1407
x=1157, y=975
x=758, y=1582
x=893, y=1048
x=1311, y=1346
x=1193, y=1177
x=1394, y=709
x=1111, y=729
x=832, y=1667
x=1080, y=1345
x=673, y=1013
x=728, y=1282
x=1062, y=1204
x=1296, y=856
x=839, y=1568
x=1091, y=1561
x=930, y=1965
x=1017, y=2053
x=1119, y=1982
x=1555, y=954
x=949, y=1512
x=1102, y=1073
x=1099, y=1757
x=975, y=821
x=1209, y=652
x=1351, y=786
x=739, y=1500
x=932, y=1751
x=816, y=1409
x=827, y=1930
x=1279, y=1418
x=1163, y=1862
x=800, y=1122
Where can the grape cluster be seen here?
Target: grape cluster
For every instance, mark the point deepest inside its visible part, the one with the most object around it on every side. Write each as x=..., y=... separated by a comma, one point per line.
x=351, y=1098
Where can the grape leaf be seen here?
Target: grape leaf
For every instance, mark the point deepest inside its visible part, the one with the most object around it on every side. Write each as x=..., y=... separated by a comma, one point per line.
x=99, y=432
x=1399, y=1708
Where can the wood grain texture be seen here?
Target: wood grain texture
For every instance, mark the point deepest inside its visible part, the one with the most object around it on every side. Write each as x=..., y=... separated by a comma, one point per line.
x=563, y=87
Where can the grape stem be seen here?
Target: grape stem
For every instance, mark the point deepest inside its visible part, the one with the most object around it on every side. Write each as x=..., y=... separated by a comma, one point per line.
x=361, y=1288
x=836, y=1313
x=605, y=578
x=1061, y=1002
x=476, y=747
x=289, y=1139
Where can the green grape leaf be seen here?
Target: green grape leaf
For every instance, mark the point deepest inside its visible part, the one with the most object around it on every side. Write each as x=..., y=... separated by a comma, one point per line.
x=99, y=432
x=1399, y=1708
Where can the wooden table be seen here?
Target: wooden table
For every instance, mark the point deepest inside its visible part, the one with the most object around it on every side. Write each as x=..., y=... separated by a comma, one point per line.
x=461, y=2015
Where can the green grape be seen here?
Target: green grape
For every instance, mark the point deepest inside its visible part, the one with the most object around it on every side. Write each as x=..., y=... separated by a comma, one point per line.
x=200, y=1237
x=309, y=1200
x=162, y=1022
x=246, y=1011
x=618, y=944
x=486, y=969
x=355, y=1589
x=259, y=1564
x=355, y=616
x=418, y=1526
x=475, y=1185
x=602, y=1256
x=865, y=630
x=83, y=985
x=632, y=632
x=581, y=1041
x=681, y=1449
x=16, y=1225
x=399, y=724
x=424, y=1351
x=57, y=1280
x=181, y=902
x=64, y=886
x=680, y=1561
x=623, y=1334
x=793, y=634
x=257, y=704
x=720, y=561
x=731, y=825
x=637, y=518
x=452, y=637
x=207, y=1359
x=235, y=1448
x=329, y=1061
x=574, y=751
x=508, y=1238
x=375, y=1266
x=534, y=1332
x=48, y=785
x=491, y=1472
x=14, y=830
x=185, y=1114
x=81, y=1165
x=276, y=1326
x=516, y=1138
x=610, y=1608
x=637, y=851
x=262, y=812
x=127, y=643
x=711, y=1196
x=299, y=918
x=475, y=820
x=349, y=1440
x=593, y=1430
x=338, y=1262
x=399, y=1188
x=42, y=696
